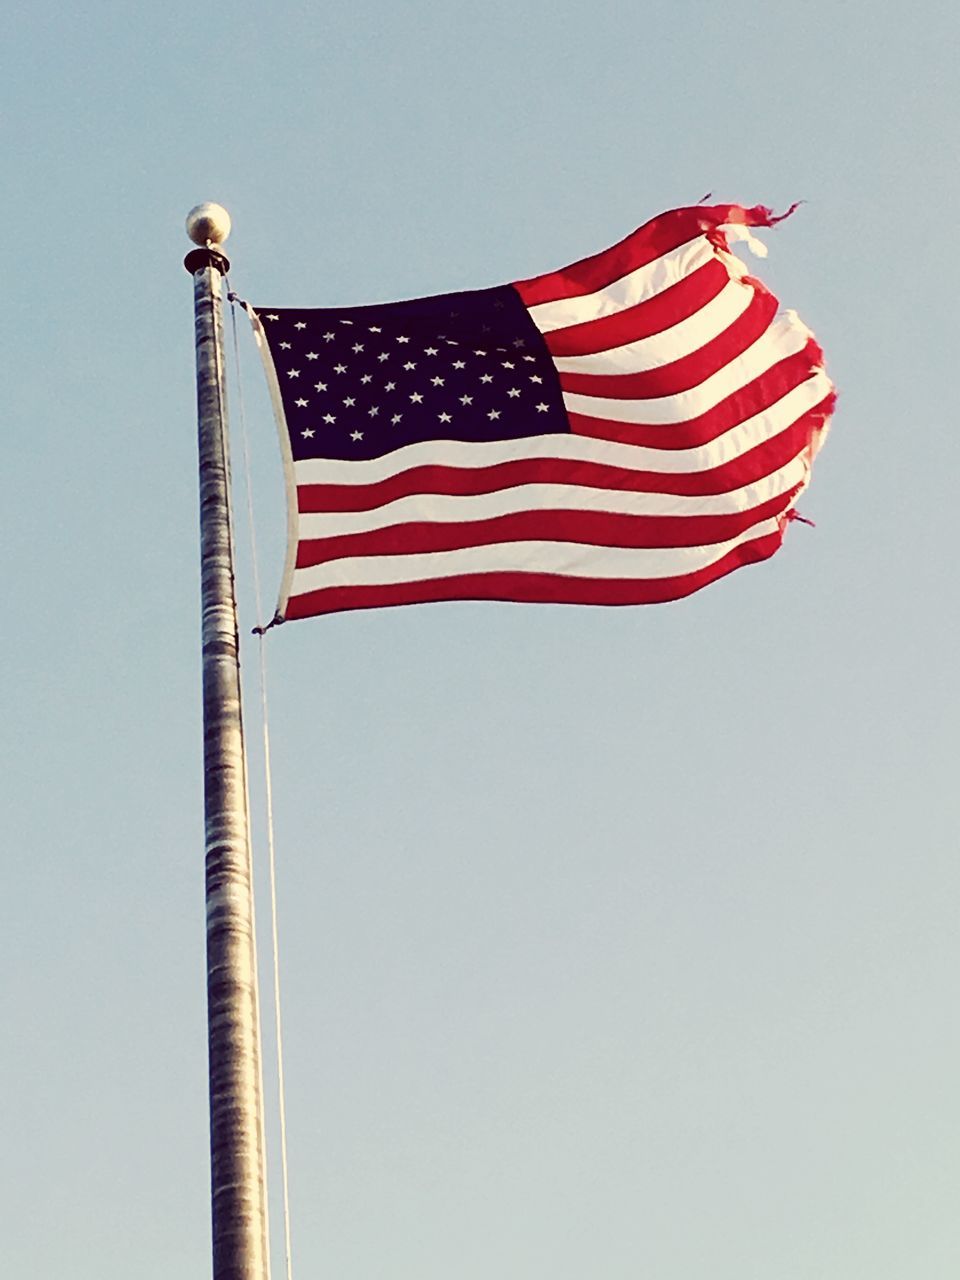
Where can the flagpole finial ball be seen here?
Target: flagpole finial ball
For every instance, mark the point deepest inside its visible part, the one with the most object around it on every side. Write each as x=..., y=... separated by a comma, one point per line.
x=208, y=224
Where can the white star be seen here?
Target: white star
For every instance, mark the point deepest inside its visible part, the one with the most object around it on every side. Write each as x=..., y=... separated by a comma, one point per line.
x=367, y=377
x=494, y=413
x=301, y=404
x=329, y=417
x=358, y=347
x=410, y=365
x=384, y=355
x=535, y=378
x=459, y=364
x=430, y=351
x=396, y=418
x=346, y=322
x=293, y=373
x=416, y=398
x=403, y=339
x=349, y=402
x=284, y=346
x=437, y=382
x=320, y=386
x=542, y=408
x=356, y=435
x=271, y=317
x=532, y=359
x=312, y=355
x=486, y=377
x=507, y=364
x=513, y=393
x=373, y=410
x=329, y=337
x=300, y=325
x=390, y=386
x=519, y=342
x=479, y=353
x=444, y=417
x=466, y=399
x=374, y=329
x=339, y=368
x=308, y=434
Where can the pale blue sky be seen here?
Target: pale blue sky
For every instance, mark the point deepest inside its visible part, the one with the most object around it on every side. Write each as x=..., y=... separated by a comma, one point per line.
x=617, y=943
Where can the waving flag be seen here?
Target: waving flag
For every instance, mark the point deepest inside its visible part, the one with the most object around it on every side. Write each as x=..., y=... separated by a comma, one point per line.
x=623, y=431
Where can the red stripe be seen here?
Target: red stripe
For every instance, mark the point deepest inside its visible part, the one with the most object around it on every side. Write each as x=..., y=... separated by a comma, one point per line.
x=756, y=397
x=687, y=372
x=646, y=318
x=652, y=240
x=593, y=528
x=746, y=468
x=535, y=588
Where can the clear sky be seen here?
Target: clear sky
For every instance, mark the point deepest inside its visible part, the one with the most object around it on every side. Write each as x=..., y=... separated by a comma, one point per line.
x=616, y=943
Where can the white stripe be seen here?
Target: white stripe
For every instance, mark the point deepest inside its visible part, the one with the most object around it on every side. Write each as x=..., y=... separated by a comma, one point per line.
x=467, y=456
x=571, y=560
x=645, y=282
x=681, y=340
x=785, y=337
x=739, y=231
x=435, y=508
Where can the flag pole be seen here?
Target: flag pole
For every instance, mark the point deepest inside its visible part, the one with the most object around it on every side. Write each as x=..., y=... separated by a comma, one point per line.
x=233, y=1030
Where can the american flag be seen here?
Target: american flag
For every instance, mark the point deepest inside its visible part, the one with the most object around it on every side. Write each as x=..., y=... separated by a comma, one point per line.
x=623, y=431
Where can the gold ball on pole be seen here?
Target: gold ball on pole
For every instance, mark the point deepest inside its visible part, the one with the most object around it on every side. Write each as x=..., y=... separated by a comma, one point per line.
x=208, y=224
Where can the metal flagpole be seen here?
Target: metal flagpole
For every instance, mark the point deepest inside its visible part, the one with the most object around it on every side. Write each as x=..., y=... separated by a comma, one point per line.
x=233, y=1032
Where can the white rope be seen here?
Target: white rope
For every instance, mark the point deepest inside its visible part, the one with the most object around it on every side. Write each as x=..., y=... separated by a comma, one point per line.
x=268, y=792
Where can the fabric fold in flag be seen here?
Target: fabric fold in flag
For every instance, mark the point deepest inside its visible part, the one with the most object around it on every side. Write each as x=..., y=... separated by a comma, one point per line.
x=623, y=431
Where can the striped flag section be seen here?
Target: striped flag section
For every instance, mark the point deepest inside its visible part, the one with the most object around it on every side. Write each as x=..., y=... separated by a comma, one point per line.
x=623, y=431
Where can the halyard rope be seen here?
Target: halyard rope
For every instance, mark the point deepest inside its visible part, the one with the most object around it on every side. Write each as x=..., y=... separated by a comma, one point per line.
x=268, y=786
